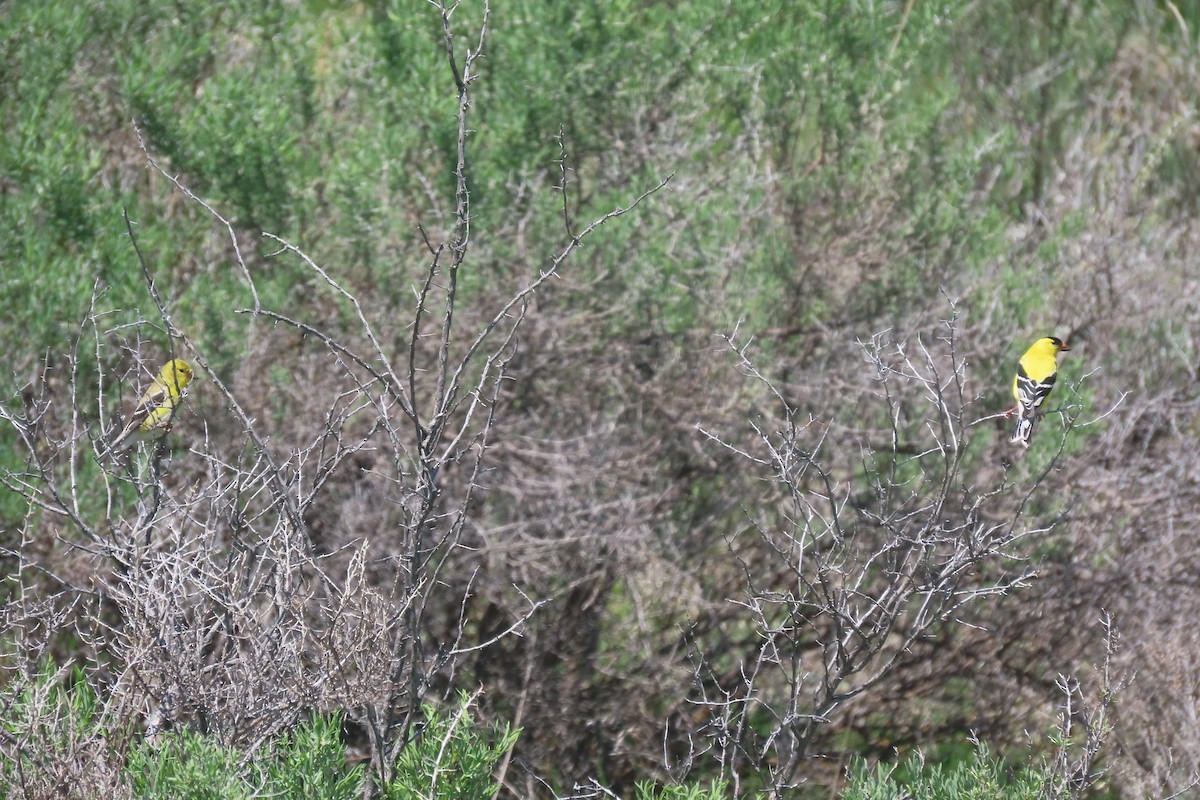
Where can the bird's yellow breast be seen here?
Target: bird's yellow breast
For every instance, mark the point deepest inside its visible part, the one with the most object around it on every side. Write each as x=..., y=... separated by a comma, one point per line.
x=1041, y=360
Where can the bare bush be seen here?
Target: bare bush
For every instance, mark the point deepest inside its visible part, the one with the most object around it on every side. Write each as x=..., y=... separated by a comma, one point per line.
x=218, y=607
x=861, y=547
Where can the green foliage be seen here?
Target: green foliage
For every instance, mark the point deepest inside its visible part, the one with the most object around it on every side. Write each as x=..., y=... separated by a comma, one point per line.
x=719, y=790
x=982, y=777
x=307, y=762
x=54, y=716
x=311, y=762
x=72, y=697
x=331, y=125
x=452, y=758
x=189, y=766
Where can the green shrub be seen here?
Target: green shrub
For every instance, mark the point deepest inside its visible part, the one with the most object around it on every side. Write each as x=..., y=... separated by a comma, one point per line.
x=53, y=730
x=981, y=777
x=307, y=762
x=451, y=759
x=719, y=790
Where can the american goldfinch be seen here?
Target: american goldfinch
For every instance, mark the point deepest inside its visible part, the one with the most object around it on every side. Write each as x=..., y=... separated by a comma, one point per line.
x=1036, y=373
x=151, y=418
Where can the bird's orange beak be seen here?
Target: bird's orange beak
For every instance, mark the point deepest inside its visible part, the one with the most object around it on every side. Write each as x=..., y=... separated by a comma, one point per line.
x=1065, y=346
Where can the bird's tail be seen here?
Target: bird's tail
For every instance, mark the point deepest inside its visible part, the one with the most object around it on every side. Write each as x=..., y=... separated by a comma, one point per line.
x=1024, y=429
x=124, y=441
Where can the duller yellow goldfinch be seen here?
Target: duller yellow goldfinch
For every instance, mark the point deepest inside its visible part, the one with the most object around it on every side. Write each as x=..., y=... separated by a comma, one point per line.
x=151, y=418
x=1036, y=373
